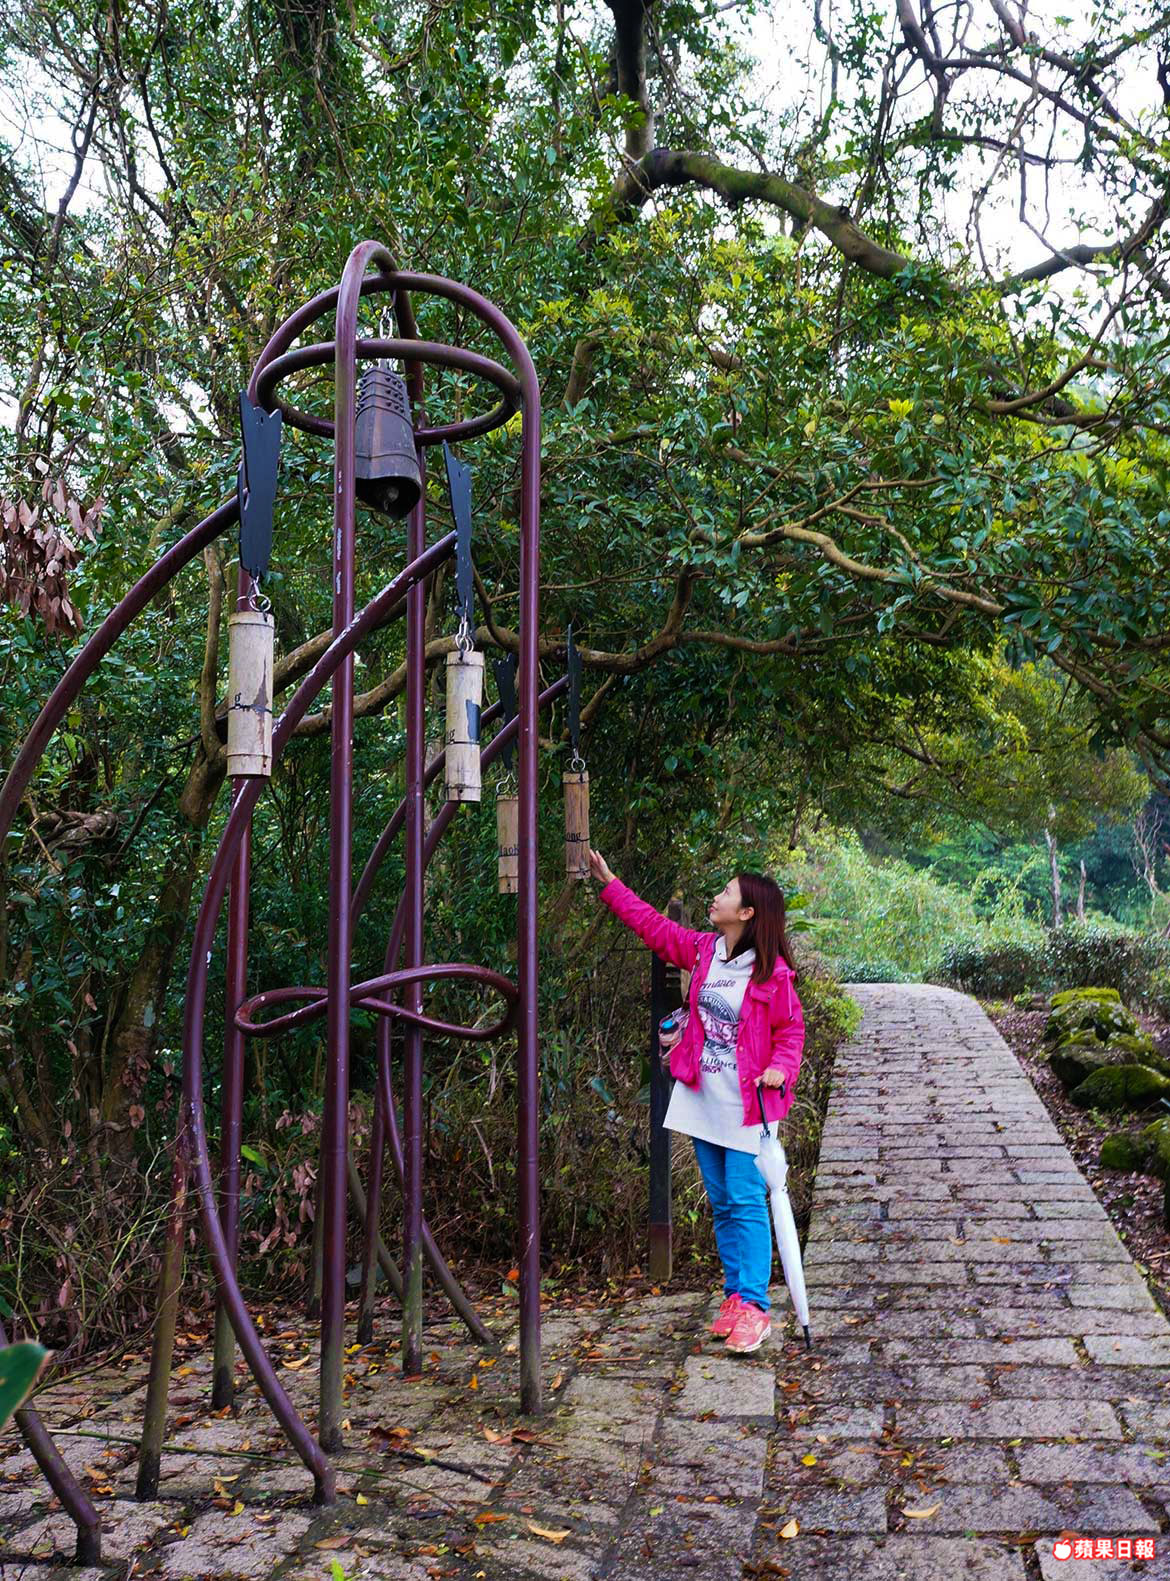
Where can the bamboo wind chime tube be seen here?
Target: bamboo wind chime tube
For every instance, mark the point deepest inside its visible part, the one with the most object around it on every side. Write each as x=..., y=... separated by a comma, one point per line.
x=576, y=782
x=251, y=637
x=508, y=841
x=464, y=696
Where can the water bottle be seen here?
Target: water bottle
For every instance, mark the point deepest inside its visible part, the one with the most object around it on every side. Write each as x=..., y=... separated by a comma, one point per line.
x=669, y=1027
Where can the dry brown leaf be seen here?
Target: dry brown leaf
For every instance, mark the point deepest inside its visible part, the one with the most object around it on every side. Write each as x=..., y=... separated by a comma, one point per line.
x=333, y=1542
x=488, y=1517
x=921, y=1515
x=791, y=1529
x=543, y=1531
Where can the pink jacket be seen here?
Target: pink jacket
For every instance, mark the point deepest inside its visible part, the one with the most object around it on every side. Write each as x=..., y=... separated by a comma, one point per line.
x=771, y=1026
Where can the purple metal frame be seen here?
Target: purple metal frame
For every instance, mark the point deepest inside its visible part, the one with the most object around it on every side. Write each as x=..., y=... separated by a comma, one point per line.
x=398, y=992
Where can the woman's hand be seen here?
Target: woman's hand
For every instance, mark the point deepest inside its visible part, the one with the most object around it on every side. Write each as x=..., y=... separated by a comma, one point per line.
x=599, y=867
x=773, y=1078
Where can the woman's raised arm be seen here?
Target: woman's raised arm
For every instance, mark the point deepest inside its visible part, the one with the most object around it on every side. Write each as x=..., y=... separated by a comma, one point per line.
x=671, y=940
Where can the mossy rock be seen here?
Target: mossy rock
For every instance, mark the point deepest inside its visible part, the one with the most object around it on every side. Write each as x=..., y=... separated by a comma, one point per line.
x=1127, y=1150
x=1072, y=1062
x=1140, y=1047
x=1069, y=996
x=1145, y=1151
x=1156, y=1138
x=1097, y=1012
x=1121, y=1087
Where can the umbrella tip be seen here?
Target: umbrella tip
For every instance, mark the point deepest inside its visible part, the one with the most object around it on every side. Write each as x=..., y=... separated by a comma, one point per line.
x=807, y=1337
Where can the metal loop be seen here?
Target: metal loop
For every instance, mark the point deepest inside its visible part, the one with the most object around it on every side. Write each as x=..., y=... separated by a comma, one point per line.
x=464, y=637
x=577, y=764
x=506, y=784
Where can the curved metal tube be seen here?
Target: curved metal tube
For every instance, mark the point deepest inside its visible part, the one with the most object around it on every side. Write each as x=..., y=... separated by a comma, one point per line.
x=336, y=664
x=385, y=1090
x=428, y=351
x=365, y=995
x=67, y=689
x=74, y=1499
x=375, y=613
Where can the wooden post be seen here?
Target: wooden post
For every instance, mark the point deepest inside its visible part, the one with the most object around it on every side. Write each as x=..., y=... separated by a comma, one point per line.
x=666, y=993
x=576, y=782
x=508, y=842
x=249, y=722
x=464, y=697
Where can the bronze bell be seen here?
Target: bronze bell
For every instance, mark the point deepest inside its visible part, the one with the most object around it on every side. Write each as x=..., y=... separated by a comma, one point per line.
x=386, y=471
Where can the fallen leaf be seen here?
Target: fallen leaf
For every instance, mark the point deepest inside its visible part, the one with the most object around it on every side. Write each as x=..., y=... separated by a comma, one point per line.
x=791, y=1529
x=360, y=1498
x=808, y=1460
x=543, y=1531
x=487, y=1517
x=333, y=1542
x=238, y=1507
x=921, y=1515
x=1002, y=1240
x=474, y=1384
x=294, y=1365
x=496, y=1438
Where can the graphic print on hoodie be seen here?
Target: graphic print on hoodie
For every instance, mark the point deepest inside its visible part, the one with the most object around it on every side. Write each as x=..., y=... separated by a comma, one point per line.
x=715, y=1111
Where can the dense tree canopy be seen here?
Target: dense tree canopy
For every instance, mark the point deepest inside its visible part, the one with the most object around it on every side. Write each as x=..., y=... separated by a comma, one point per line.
x=854, y=363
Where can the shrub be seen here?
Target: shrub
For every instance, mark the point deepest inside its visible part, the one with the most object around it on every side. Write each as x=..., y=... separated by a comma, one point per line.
x=1096, y=955
x=995, y=971
x=870, y=970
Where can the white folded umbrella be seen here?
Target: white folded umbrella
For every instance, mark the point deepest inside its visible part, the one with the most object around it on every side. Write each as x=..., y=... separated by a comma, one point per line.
x=773, y=1165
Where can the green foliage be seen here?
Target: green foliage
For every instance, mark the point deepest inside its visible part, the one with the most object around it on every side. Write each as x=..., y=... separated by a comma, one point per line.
x=1097, y=954
x=19, y=1366
x=996, y=971
x=882, y=920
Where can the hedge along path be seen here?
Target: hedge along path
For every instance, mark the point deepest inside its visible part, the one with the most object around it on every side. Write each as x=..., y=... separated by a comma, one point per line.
x=994, y=1368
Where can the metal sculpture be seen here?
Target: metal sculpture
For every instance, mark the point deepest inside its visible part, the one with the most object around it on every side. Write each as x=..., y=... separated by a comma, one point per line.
x=386, y=467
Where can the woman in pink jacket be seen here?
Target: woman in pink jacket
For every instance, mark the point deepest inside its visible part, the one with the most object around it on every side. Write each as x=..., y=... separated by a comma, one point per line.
x=745, y=1027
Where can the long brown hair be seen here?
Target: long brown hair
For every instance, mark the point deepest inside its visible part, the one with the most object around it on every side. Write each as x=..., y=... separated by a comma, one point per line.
x=765, y=930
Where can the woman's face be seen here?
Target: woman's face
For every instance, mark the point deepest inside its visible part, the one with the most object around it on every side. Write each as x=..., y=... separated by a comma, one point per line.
x=727, y=908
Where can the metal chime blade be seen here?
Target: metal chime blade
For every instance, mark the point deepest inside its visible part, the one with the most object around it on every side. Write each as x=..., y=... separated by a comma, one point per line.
x=574, y=669
x=256, y=484
x=505, y=673
x=459, y=487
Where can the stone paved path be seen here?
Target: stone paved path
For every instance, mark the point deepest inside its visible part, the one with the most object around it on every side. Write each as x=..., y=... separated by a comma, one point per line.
x=986, y=1354
x=987, y=1324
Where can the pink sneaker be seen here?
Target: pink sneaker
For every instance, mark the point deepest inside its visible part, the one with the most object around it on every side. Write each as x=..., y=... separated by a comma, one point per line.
x=752, y=1328
x=728, y=1313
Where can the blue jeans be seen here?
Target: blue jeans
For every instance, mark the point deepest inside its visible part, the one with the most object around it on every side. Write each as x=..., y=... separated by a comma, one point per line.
x=743, y=1220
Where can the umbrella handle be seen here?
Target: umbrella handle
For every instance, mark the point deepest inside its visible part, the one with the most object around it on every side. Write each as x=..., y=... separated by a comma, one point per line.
x=760, y=1101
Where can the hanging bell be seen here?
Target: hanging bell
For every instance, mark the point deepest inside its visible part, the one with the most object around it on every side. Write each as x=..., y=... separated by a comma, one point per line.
x=576, y=783
x=386, y=473
x=464, y=699
x=251, y=635
x=508, y=838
